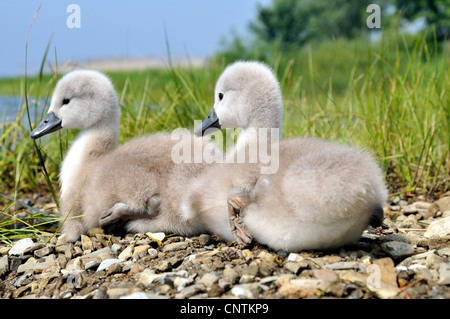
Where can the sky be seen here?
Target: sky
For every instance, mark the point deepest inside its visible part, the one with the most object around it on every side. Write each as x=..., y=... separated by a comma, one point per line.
x=112, y=28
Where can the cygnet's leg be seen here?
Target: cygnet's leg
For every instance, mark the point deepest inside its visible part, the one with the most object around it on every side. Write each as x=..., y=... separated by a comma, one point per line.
x=238, y=199
x=115, y=217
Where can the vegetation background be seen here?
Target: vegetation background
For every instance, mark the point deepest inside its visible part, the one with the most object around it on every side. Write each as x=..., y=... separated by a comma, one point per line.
x=385, y=90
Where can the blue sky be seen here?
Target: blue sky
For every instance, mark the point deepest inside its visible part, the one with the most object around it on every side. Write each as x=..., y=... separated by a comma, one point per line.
x=117, y=29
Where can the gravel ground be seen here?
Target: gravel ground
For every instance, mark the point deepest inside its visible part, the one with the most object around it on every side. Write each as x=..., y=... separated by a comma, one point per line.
x=407, y=258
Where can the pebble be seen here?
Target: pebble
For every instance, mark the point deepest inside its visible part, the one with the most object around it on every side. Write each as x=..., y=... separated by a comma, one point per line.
x=4, y=265
x=86, y=243
x=342, y=265
x=175, y=246
x=180, y=283
x=204, y=239
x=127, y=253
x=116, y=248
x=246, y=291
x=20, y=246
x=157, y=237
x=108, y=262
x=397, y=249
x=36, y=265
x=43, y=252
x=230, y=275
x=439, y=228
x=142, y=295
x=190, y=291
x=444, y=274
x=208, y=279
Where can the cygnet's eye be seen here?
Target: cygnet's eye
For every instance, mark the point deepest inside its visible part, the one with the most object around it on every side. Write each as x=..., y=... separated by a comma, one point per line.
x=220, y=96
x=66, y=101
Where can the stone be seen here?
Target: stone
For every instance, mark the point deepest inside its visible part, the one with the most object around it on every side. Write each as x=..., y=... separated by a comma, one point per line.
x=152, y=253
x=208, y=279
x=142, y=295
x=433, y=261
x=204, y=239
x=175, y=246
x=108, y=262
x=147, y=277
x=246, y=291
x=326, y=275
x=93, y=232
x=115, y=293
x=444, y=274
x=245, y=279
x=191, y=290
x=4, y=265
x=116, y=248
x=4, y=250
x=92, y=264
x=43, y=252
x=444, y=203
x=394, y=237
x=342, y=265
x=140, y=251
x=293, y=266
x=20, y=246
x=230, y=275
x=127, y=253
x=36, y=265
x=387, y=270
x=289, y=290
x=180, y=283
x=156, y=237
x=104, y=253
x=372, y=282
x=397, y=249
x=438, y=228
x=73, y=265
x=268, y=280
x=114, y=269
x=308, y=283
x=86, y=243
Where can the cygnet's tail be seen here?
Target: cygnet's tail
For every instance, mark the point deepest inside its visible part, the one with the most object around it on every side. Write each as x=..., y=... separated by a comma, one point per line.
x=376, y=220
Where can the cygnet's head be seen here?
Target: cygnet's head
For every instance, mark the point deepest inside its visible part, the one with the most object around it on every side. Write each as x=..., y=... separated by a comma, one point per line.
x=82, y=99
x=247, y=94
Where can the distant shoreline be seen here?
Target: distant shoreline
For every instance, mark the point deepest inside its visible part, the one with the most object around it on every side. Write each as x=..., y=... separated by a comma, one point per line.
x=118, y=63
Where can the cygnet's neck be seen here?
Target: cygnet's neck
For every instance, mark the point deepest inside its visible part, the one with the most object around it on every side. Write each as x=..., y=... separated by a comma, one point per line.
x=252, y=138
x=89, y=145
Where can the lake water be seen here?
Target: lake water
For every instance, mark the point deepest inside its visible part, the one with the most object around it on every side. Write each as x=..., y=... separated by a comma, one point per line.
x=10, y=106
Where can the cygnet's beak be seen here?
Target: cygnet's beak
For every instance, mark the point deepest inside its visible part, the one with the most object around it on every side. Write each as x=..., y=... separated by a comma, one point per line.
x=212, y=121
x=48, y=125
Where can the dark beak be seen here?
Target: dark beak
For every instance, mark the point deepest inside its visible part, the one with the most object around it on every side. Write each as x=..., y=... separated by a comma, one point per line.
x=210, y=122
x=48, y=125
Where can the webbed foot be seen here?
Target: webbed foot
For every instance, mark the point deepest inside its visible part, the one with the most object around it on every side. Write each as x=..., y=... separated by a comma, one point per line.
x=115, y=217
x=237, y=200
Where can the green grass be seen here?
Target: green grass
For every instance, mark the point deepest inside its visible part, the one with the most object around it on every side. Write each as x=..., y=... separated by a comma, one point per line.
x=391, y=98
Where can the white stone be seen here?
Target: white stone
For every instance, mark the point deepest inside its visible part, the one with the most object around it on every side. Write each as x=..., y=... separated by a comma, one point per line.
x=438, y=228
x=158, y=237
x=20, y=246
x=242, y=292
x=108, y=262
x=444, y=274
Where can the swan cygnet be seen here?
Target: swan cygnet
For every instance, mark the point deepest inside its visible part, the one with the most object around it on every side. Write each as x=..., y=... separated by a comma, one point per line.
x=323, y=195
x=102, y=184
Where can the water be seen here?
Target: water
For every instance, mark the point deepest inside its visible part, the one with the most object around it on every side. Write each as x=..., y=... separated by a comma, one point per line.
x=11, y=106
